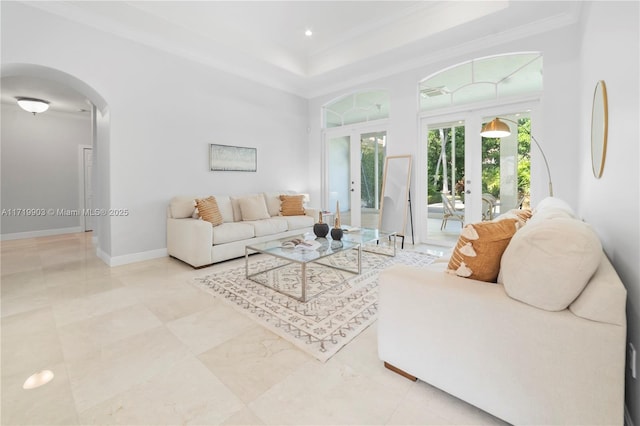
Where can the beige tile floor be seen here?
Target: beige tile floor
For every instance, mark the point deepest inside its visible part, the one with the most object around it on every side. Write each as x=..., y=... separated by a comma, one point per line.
x=138, y=344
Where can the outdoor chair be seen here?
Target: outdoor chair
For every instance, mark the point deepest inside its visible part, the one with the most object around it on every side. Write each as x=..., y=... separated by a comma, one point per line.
x=488, y=206
x=449, y=211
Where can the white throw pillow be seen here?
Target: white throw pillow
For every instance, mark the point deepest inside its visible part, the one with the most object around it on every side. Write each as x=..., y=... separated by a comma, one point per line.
x=550, y=213
x=553, y=203
x=254, y=208
x=273, y=202
x=548, y=263
x=182, y=206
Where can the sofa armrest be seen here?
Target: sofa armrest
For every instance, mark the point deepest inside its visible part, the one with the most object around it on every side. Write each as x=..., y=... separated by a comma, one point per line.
x=190, y=240
x=312, y=212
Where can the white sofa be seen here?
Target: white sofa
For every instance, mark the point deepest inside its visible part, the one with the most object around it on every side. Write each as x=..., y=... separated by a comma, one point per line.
x=528, y=349
x=199, y=244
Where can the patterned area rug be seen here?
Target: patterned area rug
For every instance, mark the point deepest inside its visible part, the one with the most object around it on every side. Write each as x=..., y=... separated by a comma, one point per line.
x=345, y=304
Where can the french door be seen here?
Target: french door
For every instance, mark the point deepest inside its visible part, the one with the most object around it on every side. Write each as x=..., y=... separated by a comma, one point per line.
x=354, y=163
x=466, y=178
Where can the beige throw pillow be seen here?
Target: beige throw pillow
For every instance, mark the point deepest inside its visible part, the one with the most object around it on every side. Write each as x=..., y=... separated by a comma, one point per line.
x=479, y=249
x=254, y=208
x=291, y=205
x=548, y=263
x=208, y=210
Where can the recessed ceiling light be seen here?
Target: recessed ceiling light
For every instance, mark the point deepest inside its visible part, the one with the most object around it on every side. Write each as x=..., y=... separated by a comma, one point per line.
x=308, y=33
x=36, y=380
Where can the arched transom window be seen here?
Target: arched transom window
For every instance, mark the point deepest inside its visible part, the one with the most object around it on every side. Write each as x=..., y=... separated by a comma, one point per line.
x=483, y=79
x=358, y=107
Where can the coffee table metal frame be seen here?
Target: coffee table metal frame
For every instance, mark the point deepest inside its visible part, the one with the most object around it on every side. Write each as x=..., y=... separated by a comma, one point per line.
x=302, y=257
x=367, y=235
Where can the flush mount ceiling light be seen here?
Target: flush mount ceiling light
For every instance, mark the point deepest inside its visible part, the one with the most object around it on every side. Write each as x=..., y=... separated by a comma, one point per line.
x=33, y=105
x=308, y=33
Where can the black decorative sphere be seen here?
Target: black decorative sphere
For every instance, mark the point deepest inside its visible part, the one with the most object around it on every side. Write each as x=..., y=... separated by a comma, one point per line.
x=336, y=234
x=321, y=230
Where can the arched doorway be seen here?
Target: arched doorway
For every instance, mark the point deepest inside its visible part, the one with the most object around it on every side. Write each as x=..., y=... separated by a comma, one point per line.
x=59, y=85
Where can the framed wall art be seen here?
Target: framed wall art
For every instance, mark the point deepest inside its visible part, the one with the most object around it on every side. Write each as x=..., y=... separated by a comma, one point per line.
x=228, y=158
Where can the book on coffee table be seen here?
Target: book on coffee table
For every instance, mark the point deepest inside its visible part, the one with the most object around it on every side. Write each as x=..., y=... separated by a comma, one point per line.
x=299, y=243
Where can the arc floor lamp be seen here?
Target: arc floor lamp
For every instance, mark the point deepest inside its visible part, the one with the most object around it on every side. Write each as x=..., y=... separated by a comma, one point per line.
x=496, y=128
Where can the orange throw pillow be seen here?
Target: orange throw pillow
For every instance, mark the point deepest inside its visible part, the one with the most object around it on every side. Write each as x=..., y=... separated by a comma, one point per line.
x=291, y=205
x=479, y=249
x=208, y=210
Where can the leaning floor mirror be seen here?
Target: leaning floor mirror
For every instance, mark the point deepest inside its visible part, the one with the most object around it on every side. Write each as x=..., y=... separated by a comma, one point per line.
x=395, y=195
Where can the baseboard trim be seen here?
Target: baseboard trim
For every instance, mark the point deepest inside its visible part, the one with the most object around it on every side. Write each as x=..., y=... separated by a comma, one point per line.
x=627, y=416
x=41, y=233
x=131, y=258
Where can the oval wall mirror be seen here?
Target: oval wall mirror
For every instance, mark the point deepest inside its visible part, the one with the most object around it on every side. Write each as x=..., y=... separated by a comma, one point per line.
x=599, y=128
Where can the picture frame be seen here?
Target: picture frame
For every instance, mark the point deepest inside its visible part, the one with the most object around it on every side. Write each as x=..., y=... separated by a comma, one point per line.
x=227, y=158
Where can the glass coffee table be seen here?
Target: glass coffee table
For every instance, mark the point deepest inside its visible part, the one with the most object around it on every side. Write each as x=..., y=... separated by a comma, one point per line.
x=373, y=240
x=303, y=257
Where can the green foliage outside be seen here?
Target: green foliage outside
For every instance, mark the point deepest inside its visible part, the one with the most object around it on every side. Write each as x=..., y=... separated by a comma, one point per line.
x=367, y=172
x=490, y=162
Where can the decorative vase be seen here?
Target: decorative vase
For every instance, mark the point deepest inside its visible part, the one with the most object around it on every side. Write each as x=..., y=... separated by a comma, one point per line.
x=336, y=231
x=321, y=229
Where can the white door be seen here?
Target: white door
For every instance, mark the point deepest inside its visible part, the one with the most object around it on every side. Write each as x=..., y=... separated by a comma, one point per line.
x=88, y=190
x=480, y=176
x=354, y=163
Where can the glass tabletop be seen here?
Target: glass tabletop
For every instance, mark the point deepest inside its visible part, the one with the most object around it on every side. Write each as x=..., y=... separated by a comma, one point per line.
x=365, y=235
x=322, y=247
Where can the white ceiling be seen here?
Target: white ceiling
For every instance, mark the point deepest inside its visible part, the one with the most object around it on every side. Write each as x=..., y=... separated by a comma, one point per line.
x=352, y=41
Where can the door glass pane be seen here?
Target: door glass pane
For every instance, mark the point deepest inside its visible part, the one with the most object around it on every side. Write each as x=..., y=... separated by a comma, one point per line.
x=445, y=181
x=339, y=166
x=372, y=155
x=506, y=168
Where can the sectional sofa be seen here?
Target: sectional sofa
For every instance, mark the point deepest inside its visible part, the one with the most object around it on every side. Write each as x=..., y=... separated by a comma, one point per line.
x=246, y=219
x=543, y=345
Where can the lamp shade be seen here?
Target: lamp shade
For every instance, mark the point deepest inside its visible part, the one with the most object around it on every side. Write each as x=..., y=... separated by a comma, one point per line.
x=33, y=105
x=495, y=129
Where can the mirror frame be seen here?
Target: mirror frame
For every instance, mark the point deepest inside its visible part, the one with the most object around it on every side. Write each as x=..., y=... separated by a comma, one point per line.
x=402, y=189
x=599, y=128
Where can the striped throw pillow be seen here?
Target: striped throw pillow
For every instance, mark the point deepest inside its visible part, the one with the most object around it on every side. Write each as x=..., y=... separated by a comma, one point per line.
x=291, y=205
x=209, y=211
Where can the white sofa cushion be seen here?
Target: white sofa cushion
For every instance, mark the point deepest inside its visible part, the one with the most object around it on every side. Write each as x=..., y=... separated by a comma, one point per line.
x=268, y=226
x=603, y=299
x=273, y=202
x=254, y=208
x=570, y=252
x=551, y=208
x=553, y=203
x=297, y=222
x=235, y=204
x=224, y=205
x=234, y=231
x=182, y=206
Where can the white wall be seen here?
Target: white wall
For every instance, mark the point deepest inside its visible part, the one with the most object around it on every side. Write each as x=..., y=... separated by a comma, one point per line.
x=163, y=113
x=555, y=126
x=40, y=169
x=610, y=52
